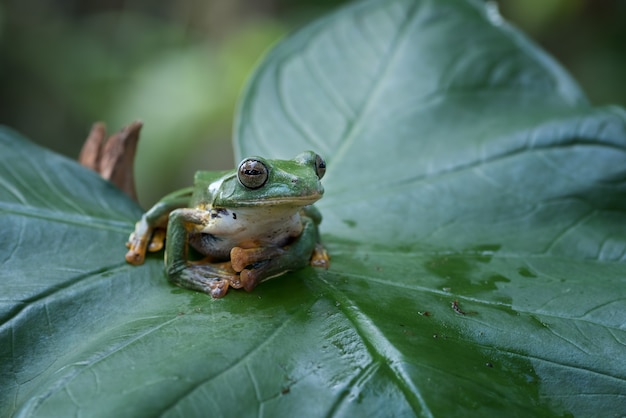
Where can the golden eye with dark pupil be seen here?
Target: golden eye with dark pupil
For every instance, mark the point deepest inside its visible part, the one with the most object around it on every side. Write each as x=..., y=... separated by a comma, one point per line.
x=252, y=173
x=320, y=166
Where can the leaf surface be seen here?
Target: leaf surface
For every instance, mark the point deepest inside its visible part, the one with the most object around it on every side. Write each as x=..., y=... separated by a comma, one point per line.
x=474, y=212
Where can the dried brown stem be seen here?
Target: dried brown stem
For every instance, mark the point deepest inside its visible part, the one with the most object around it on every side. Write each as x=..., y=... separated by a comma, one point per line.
x=113, y=158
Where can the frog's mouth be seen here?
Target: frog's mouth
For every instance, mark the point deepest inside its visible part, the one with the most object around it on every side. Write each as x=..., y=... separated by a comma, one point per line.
x=284, y=201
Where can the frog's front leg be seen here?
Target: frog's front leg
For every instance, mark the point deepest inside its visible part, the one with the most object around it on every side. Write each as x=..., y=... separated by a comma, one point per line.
x=149, y=232
x=320, y=256
x=256, y=265
x=211, y=278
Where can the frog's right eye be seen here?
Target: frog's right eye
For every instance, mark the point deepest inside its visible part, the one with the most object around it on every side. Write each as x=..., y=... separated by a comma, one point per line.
x=252, y=173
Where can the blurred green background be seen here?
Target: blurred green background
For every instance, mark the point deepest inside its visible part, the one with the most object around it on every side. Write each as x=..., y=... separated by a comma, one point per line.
x=179, y=66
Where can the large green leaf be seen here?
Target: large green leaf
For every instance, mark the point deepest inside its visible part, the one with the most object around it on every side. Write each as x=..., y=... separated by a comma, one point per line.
x=475, y=215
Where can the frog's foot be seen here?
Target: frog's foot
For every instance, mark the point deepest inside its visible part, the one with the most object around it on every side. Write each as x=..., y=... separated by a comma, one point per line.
x=217, y=287
x=138, y=242
x=137, y=246
x=255, y=265
x=320, y=257
x=241, y=258
x=157, y=241
x=142, y=240
x=265, y=270
x=260, y=271
x=212, y=279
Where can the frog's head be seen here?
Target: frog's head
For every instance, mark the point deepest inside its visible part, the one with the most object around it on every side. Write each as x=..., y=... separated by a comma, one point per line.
x=260, y=182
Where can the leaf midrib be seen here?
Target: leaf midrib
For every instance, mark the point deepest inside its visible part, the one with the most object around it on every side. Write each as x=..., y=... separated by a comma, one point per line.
x=363, y=192
x=68, y=218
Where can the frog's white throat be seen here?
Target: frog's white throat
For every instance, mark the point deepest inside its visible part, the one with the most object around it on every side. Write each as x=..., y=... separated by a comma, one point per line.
x=265, y=225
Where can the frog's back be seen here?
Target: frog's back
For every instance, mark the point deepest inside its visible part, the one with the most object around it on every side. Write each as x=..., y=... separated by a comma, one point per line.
x=203, y=179
x=202, y=185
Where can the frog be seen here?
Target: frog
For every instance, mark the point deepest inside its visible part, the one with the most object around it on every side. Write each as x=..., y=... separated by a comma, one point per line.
x=237, y=228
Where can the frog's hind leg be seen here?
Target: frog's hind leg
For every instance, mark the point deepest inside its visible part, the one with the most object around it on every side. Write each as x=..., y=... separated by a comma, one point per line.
x=211, y=278
x=277, y=260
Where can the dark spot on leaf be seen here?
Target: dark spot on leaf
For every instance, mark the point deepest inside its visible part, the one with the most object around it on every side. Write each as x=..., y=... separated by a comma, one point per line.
x=351, y=223
x=523, y=271
x=457, y=309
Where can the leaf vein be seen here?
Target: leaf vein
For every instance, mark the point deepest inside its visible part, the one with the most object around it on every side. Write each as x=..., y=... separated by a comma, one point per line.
x=380, y=348
x=50, y=292
x=287, y=112
x=65, y=218
x=354, y=386
x=247, y=356
x=387, y=61
x=364, y=191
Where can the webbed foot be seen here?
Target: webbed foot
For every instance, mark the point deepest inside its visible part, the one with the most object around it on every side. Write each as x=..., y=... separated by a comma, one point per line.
x=158, y=240
x=137, y=245
x=212, y=279
x=256, y=265
x=143, y=239
x=240, y=258
x=320, y=257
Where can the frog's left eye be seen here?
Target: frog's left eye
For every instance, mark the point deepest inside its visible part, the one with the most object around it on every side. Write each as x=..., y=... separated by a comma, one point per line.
x=320, y=166
x=252, y=173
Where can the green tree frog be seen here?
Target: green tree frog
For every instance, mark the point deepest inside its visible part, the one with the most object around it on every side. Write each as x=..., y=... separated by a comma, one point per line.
x=237, y=228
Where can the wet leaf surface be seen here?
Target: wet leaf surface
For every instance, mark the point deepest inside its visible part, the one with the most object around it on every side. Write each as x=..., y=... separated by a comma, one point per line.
x=475, y=216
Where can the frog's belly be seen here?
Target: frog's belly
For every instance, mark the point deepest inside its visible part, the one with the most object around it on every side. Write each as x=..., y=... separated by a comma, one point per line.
x=247, y=228
x=214, y=246
x=218, y=247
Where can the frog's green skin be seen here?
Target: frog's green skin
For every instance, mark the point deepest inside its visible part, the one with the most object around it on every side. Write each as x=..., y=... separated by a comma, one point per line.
x=250, y=224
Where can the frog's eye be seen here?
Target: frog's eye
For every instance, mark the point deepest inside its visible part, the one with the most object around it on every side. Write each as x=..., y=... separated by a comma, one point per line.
x=320, y=166
x=252, y=173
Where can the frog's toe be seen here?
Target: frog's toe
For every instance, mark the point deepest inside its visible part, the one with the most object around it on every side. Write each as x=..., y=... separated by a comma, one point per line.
x=136, y=249
x=213, y=280
x=320, y=257
x=134, y=257
x=157, y=241
x=218, y=288
x=249, y=278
